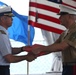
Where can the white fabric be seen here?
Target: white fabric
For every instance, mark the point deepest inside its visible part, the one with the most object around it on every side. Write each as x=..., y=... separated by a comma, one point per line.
x=68, y=9
x=5, y=46
x=57, y=64
x=57, y=59
x=5, y=9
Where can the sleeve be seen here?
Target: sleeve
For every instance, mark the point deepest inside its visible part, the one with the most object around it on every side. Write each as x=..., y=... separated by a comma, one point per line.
x=60, y=38
x=71, y=39
x=5, y=47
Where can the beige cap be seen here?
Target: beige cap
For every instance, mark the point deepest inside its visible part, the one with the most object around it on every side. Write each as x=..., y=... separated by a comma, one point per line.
x=6, y=11
x=66, y=10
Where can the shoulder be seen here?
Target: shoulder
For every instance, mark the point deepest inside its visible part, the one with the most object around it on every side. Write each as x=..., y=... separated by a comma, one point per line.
x=2, y=32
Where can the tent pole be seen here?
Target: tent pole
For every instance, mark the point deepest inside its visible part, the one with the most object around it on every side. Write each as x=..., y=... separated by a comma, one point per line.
x=29, y=45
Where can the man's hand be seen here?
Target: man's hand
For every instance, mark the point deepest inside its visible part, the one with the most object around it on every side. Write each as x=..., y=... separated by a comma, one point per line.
x=26, y=48
x=34, y=50
x=31, y=56
x=37, y=49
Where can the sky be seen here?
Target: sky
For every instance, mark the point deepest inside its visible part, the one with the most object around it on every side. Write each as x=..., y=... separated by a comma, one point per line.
x=21, y=6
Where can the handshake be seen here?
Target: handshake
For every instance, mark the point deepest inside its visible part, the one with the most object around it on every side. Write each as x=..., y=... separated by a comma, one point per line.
x=34, y=51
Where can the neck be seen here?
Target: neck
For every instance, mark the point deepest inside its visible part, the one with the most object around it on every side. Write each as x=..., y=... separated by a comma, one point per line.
x=3, y=25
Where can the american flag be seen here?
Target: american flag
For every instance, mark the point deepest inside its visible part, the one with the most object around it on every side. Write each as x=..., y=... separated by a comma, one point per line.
x=70, y=3
x=43, y=14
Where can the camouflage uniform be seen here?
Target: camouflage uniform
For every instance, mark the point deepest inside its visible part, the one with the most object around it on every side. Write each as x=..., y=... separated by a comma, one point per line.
x=69, y=55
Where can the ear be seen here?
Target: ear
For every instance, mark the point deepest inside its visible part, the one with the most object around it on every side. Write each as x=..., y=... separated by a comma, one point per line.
x=70, y=16
x=75, y=17
x=3, y=18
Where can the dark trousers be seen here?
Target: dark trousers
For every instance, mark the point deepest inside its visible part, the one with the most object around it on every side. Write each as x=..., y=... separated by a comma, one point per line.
x=4, y=70
x=69, y=70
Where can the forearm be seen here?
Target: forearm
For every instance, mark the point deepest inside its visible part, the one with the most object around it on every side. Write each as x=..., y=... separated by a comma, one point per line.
x=16, y=50
x=14, y=59
x=55, y=47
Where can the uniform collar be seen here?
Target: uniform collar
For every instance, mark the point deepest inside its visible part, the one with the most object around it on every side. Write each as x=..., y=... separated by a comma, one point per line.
x=2, y=28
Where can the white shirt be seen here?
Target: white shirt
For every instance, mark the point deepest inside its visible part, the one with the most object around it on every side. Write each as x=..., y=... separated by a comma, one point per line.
x=5, y=46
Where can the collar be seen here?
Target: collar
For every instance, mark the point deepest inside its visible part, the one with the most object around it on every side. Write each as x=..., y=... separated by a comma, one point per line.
x=2, y=28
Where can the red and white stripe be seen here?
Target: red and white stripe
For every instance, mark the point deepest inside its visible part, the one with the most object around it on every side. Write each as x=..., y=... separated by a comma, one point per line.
x=70, y=3
x=43, y=14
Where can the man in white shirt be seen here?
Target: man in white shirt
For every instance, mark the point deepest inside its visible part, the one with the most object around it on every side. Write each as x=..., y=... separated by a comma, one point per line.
x=7, y=54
